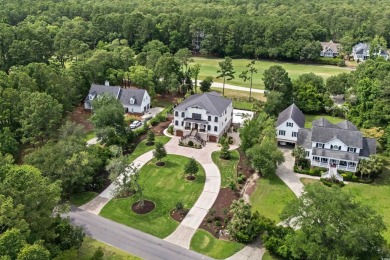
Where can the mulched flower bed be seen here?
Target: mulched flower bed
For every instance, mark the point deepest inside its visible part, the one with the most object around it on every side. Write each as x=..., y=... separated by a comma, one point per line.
x=178, y=215
x=244, y=167
x=218, y=215
x=190, y=177
x=160, y=164
x=148, y=207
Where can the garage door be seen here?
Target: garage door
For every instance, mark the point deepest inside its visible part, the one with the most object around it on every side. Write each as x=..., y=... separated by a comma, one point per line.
x=179, y=133
x=212, y=138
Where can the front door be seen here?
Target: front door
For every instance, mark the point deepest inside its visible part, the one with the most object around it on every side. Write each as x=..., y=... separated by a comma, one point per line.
x=196, y=126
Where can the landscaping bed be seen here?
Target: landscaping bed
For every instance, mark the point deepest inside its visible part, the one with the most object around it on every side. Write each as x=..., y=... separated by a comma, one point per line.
x=165, y=186
x=81, y=116
x=218, y=216
x=244, y=167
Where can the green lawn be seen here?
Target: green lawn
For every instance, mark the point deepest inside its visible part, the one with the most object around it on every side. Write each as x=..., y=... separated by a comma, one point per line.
x=375, y=195
x=210, y=67
x=311, y=118
x=205, y=243
x=268, y=256
x=165, y=186
x=143, y=148
x=270, y=196
x=89, y=135
x=244, y=105
x=82, y=198
x=90, y=246
x=228, y=168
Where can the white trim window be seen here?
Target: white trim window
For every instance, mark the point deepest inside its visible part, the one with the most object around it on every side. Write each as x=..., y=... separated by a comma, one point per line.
x=351, y=150
x=282, y=132
x=294, y=134
x=289, y=124
x=320, y=145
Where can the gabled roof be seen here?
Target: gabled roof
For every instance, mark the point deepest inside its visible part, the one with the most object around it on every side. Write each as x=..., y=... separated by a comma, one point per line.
x=294, y=113
x=323, y=132
x=137, y=94
x=334, y=47
x=361, y=48
x=97, y=90
x=212, y=102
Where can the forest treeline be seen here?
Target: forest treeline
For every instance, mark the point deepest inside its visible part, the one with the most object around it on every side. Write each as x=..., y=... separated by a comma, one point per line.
x=34, y=31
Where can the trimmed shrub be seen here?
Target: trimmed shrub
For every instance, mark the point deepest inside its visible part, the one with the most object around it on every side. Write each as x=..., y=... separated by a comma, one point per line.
x=179, y=205
x=170, y=129
x=190, y=143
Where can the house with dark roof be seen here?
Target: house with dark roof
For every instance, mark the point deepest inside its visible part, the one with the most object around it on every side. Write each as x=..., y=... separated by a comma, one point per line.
x=205, y=117
x=361, y=52
x=289, y=122
x=339, y=146
x=133, y=100
x=330, y=49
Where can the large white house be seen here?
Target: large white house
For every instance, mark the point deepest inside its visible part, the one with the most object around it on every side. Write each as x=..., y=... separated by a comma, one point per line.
x=328, y=145
x=206, y=116
x=289, y=122
x=330, y=49
x=361, y=52
x=133, y=100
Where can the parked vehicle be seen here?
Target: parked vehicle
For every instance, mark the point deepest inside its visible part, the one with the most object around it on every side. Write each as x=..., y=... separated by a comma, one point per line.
x=135, y=124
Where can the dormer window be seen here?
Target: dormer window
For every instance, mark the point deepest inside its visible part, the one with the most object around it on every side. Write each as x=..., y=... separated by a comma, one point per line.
x=351, y=150
x=320, y=145
x=335, y=147
x=132, y=101
x=91, y=97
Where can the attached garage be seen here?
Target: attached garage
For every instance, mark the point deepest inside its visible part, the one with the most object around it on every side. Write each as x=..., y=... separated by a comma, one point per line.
x=179, y=133
x=213, y=138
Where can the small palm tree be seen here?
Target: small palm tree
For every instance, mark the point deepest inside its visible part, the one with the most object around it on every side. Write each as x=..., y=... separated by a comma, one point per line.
x=299, y=154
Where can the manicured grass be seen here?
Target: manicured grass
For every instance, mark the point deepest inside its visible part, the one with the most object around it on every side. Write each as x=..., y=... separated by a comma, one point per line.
x=268, y=256
x=205, y=243
x=244, y=105
x=143, y=148
x=209, y=67
x=82, y=198
x=90, y=246
x=270, y=196
x=307, y=181
x=240, y=94
x=228, y=168
x=375, y=195
x=90, y=135
x=311, y=118
x=165, y=186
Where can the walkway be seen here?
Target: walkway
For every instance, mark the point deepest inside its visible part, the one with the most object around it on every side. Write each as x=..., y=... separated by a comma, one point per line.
x=97, y=204
x=183, y=234
x=129, y=239
x=233, y=87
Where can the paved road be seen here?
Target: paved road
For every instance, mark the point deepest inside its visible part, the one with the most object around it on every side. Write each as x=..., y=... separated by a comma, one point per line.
x=129, y=239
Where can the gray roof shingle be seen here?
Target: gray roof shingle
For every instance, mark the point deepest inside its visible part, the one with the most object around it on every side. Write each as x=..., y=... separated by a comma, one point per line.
x=330, y=46
x=327, y=134
x=304, y=138
x=369, y=147
x=97, y=90
x=213, y=102
x=341, y=155
x=294, y=113
x=347, y=125
x=137, y=94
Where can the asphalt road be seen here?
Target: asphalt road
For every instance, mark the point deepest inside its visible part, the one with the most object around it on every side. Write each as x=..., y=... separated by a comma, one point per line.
x=128, y=239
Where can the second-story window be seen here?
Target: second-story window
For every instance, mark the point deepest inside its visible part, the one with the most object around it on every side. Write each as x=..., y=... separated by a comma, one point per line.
x=196, y=116
x=294, y=134
x=289, y=124
x=282, y=132
x=216, y=119
x=215, y=128
x=176, y=113
x=209, y=118
x=183, y=114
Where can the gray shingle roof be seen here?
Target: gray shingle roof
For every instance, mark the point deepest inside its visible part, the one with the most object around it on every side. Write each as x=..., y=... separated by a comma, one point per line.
x=96, y=90
x=347, y=125
x=213, y=102
x=327, y=134
x=323, y=123
x=294, y=113
x=330, y=46
x=137, y=94
x=304, y=138
x=369, y=147
x=341, y=155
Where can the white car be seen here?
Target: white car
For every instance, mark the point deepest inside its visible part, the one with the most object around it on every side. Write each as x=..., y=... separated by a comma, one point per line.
x=135, y=124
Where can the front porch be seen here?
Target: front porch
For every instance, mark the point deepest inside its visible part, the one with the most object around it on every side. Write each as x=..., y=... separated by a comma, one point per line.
x=343, y=165
x=200, y=126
